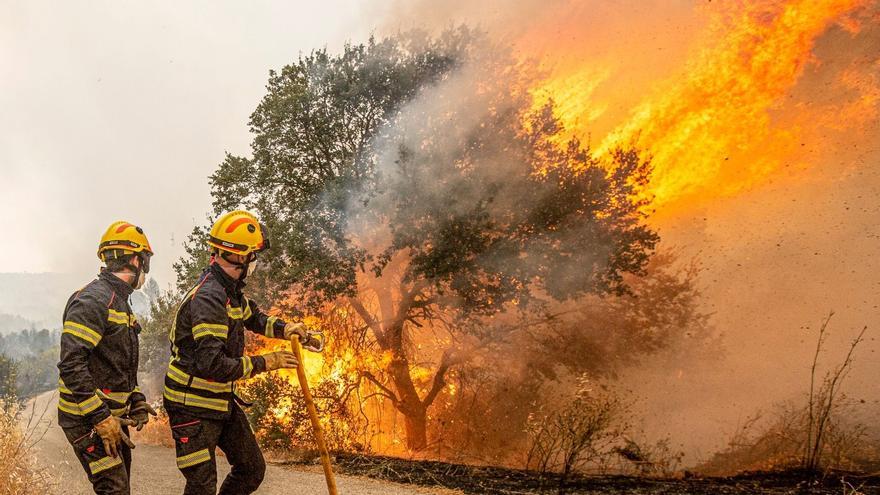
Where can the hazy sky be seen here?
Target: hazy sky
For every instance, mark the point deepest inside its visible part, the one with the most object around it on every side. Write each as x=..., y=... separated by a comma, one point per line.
x=121, y=110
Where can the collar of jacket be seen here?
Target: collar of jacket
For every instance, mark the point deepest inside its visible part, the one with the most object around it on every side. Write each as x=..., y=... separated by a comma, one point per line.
x=121, y=287
x=233, y=287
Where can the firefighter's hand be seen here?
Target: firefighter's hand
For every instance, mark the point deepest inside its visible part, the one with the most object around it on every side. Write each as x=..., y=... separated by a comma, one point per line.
x=297, y=329
x=280, y=359
x=110, y=431
x=140, y=413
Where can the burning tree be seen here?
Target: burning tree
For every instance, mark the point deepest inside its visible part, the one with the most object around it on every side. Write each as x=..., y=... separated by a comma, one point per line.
x=414, y=182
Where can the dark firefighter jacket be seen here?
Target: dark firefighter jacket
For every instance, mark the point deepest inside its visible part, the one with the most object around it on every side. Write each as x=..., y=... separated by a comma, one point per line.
x=99, y=354
x=207, y=345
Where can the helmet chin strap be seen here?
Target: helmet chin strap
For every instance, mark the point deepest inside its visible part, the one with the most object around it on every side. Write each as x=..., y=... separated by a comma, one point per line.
x=243, y=266
x=137, y=272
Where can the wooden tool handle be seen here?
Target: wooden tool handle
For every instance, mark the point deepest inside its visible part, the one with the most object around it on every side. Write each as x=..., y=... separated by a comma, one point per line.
x=313, y=414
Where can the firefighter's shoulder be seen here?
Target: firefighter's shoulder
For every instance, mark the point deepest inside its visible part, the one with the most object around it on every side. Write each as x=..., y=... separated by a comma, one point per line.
x=95, y=292
x=209, y=292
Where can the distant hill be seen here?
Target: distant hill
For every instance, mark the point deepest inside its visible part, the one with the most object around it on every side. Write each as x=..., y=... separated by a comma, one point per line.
x=36, y=300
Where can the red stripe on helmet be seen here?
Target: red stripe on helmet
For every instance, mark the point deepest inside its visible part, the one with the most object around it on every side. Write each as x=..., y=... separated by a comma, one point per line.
x=234, y=225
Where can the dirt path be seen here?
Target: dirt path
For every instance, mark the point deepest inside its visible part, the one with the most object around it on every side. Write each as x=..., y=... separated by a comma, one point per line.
x=154, y=470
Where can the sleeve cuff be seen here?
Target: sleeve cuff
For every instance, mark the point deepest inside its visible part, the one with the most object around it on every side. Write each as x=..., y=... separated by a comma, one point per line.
x=259, y=363
x=137, y=397
x=100, y=415
x=278, y=328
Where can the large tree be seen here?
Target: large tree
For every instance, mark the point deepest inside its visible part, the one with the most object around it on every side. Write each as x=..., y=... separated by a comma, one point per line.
x=414, y=180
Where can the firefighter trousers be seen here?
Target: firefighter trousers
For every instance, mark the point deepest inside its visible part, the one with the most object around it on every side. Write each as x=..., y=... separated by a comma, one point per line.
x=108, y=475
x=196, y=440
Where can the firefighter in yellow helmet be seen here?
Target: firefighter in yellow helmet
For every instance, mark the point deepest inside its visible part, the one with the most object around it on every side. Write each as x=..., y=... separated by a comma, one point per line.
x=98, y=395
x=207, y=347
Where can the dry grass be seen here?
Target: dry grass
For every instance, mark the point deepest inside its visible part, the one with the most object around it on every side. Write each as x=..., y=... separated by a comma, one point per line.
x=18, y=473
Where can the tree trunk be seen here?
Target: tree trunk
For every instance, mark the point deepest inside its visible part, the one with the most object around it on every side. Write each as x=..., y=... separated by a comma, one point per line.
x=416, y=430
x=410, y=404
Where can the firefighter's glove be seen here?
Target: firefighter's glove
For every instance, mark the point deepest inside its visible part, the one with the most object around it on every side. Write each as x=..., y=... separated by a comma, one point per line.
x=140, y=413
x=110, y=431
x=280, y=359
x=295, y=329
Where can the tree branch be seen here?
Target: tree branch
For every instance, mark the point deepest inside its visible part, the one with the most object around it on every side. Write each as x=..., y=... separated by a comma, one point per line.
x=386, y=391
x=369, y=320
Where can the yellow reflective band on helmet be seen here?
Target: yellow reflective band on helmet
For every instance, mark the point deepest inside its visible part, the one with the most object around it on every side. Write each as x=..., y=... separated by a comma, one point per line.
x=270, y=327
x=197, y=457
x=81, y=408
x=104, y=464
x=190, y=399
x=81, y=331
x=247, y=366
x=213, y=329
x=183, y=378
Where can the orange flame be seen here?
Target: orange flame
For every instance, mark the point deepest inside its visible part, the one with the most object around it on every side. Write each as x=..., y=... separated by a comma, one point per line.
x=713, y=129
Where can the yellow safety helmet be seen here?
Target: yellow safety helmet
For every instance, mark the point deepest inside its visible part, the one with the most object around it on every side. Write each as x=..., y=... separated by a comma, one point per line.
x=239, y=232
x=123, y=236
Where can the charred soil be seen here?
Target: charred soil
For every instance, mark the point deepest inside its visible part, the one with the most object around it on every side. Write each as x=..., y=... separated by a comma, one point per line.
x=494, y=480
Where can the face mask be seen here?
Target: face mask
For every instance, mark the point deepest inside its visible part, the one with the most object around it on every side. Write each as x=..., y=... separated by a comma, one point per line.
x=140, y=280
x=251, y=268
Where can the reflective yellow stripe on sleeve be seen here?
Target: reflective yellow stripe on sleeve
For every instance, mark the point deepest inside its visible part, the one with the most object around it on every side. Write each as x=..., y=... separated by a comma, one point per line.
x=234, y=313
x=270, y=327
x=81, y=408
x=196, y=457
x=213, y=329
x=119, y=317
x=247, y=366
x=82, y=332
x=63, y=388
x=114, y=396
x=247, y=310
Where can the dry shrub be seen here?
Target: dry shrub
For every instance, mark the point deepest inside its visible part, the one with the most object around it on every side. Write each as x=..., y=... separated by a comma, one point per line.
x=820, y=434
x=580, y=435
x=644, y=458
x=18, y=473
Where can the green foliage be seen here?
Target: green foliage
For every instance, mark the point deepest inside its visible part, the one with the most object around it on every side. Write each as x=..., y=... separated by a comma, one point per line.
x=8, y=378
x=190, y=266
x=33, y=355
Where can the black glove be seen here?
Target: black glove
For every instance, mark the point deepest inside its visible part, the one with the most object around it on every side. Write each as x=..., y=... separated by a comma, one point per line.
x=140, y=413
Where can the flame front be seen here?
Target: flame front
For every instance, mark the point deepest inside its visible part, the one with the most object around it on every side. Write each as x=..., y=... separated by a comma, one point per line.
x=722, y=124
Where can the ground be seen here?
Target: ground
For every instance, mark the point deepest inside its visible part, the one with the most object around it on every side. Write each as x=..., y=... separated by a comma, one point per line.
x=154, y=470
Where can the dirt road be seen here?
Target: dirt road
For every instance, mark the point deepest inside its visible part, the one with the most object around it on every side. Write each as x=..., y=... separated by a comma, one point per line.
x=154, y=470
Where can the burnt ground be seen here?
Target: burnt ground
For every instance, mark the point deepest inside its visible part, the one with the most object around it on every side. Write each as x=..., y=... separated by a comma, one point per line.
x=491, y=480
